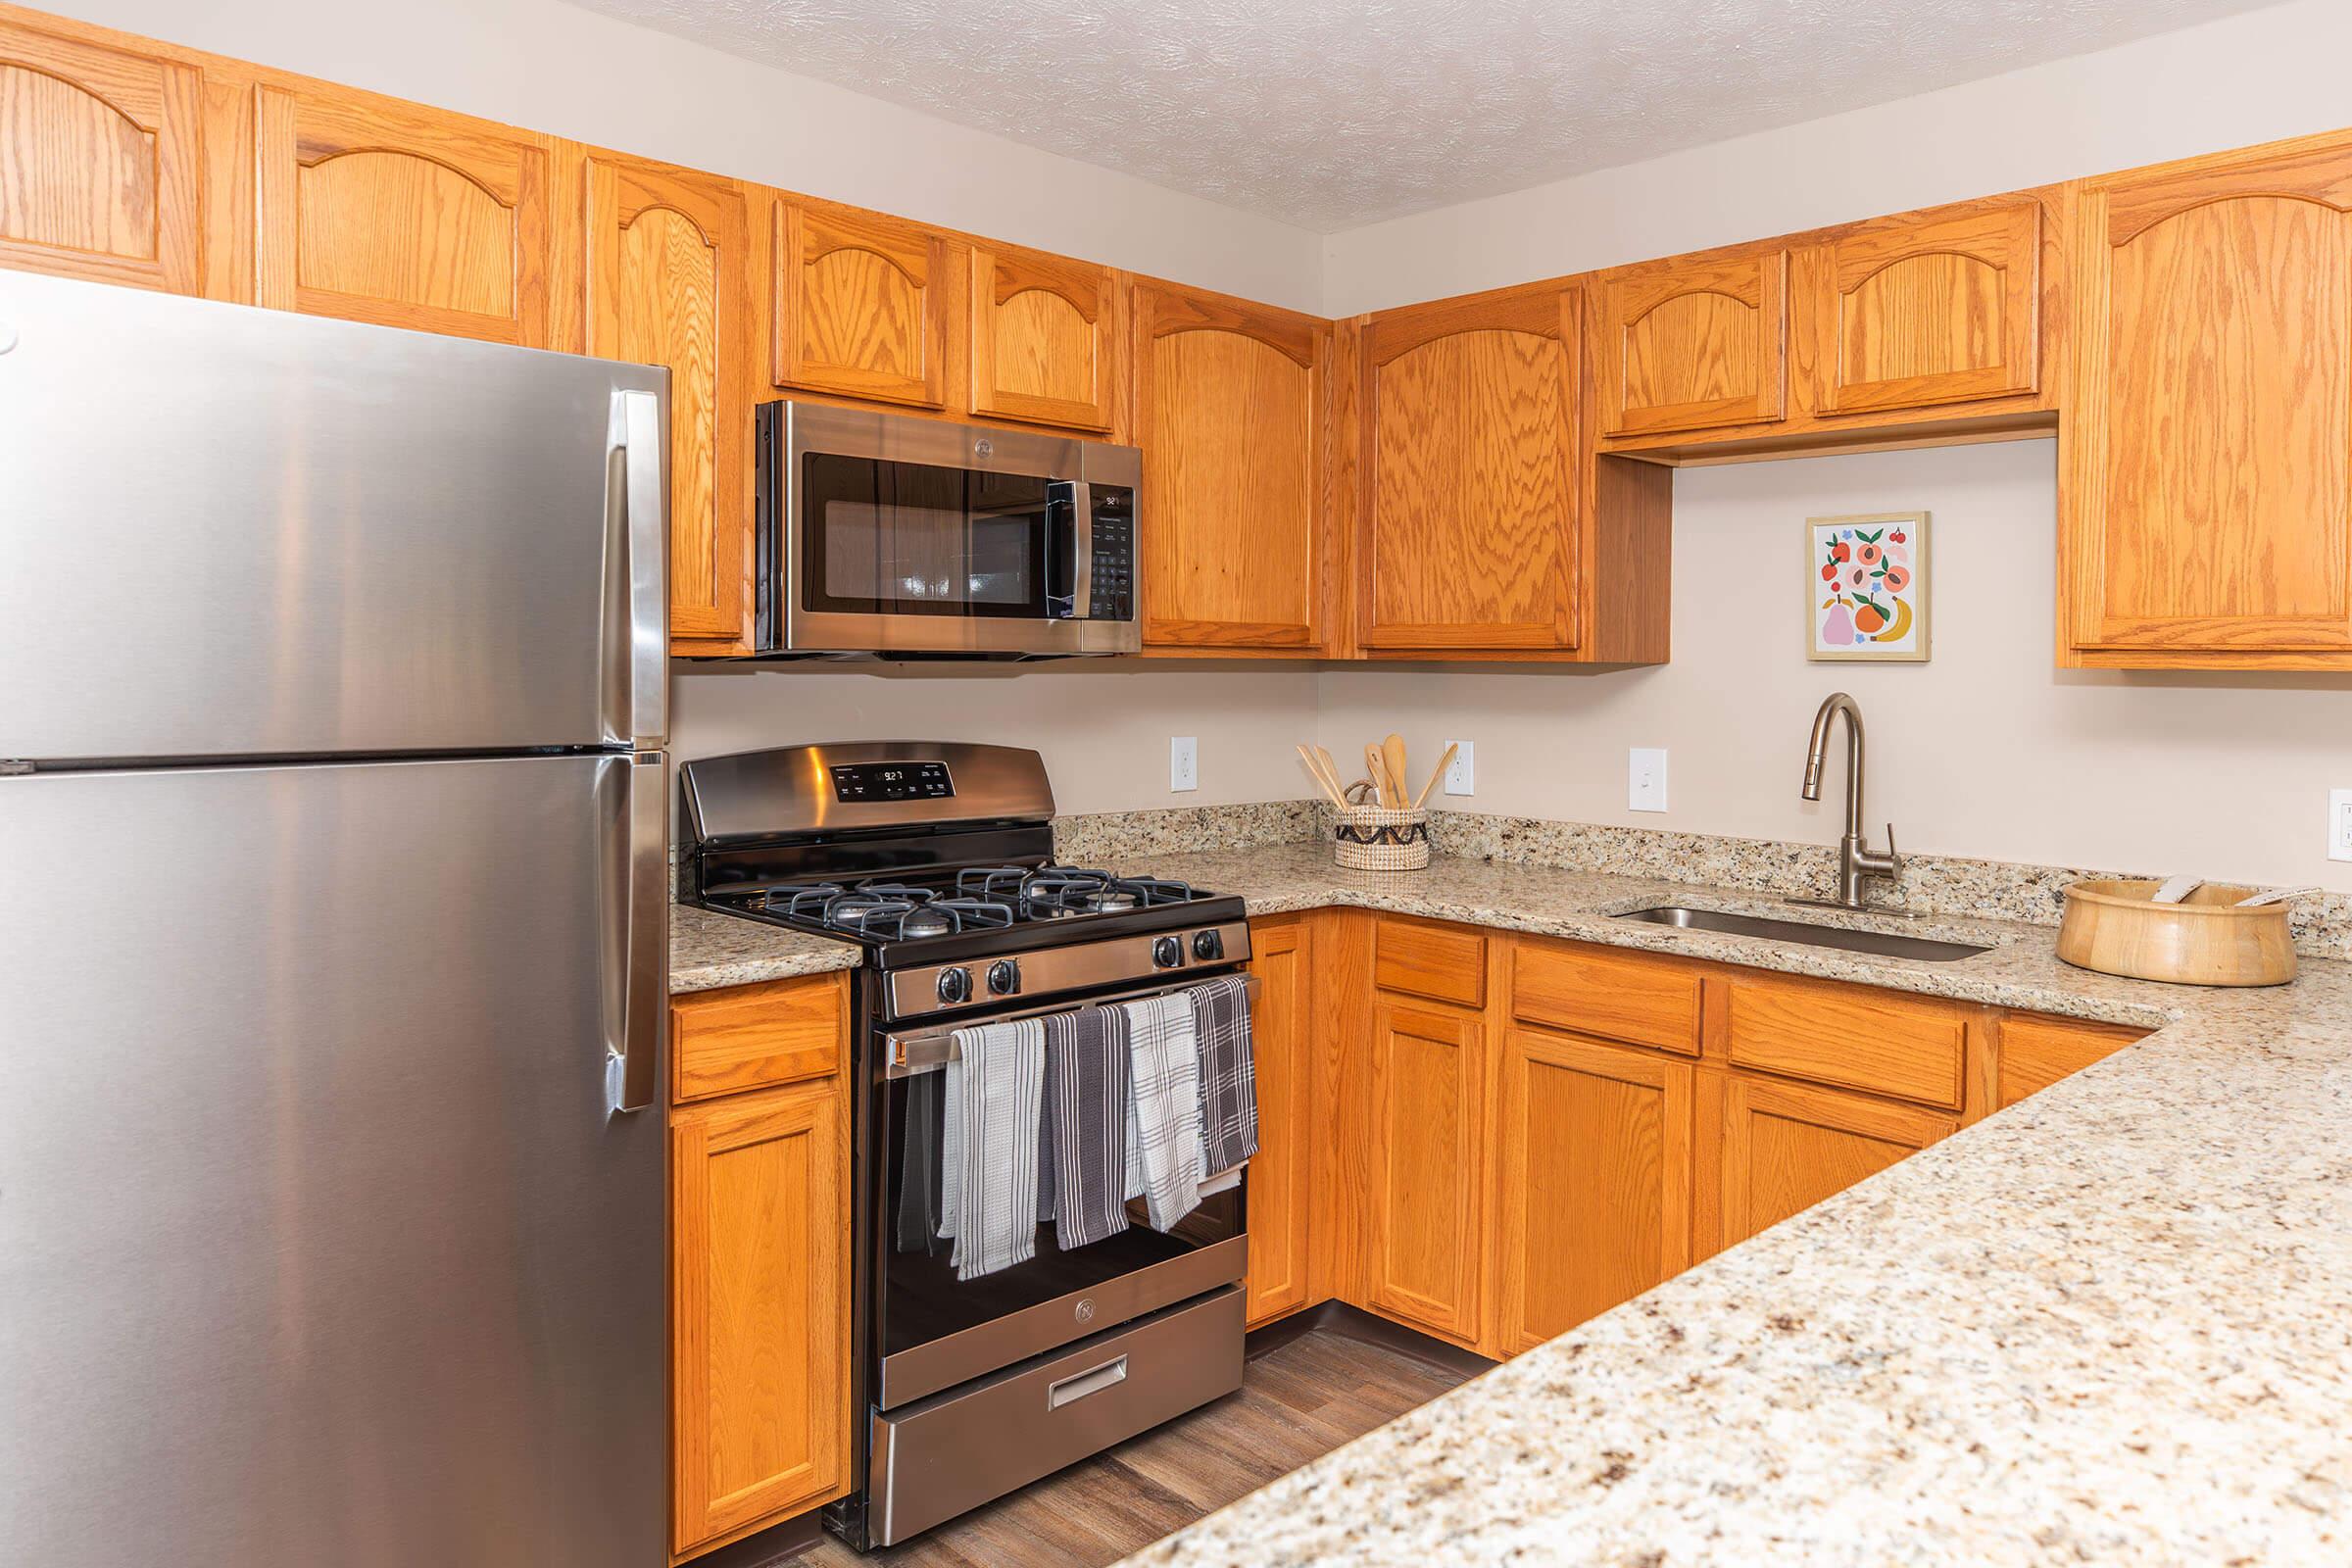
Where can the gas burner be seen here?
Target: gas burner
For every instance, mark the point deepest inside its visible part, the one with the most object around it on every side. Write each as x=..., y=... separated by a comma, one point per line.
x=867, y=912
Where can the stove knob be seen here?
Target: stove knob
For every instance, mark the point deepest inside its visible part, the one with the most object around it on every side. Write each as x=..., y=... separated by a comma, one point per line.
x=955, y=985
x=1003, y=977
x=1166, y=952
x=1207, y=946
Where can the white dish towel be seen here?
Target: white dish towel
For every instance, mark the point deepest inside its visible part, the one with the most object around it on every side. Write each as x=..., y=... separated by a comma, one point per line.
x=1163, y=1105
x=987, y=1155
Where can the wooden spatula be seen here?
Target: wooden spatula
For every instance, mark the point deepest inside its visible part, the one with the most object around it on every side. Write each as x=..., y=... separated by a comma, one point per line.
x=1391, y=753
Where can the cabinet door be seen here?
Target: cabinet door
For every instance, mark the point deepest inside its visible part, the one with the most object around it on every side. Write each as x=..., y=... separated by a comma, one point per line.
x=1786, y=1147
x=2034, y=1053
x=2206, y=489
x=1467, y=517
x=100, y=160
x=1430, y=1069
x=1690, y=344
x=863, y=306
x=1228, y=411
x=1281, y=956
x=383, y=212
x=1923, y=311
x=669, y=283
x=760, y=1232
x=1594, y=1168
x=1047, y=345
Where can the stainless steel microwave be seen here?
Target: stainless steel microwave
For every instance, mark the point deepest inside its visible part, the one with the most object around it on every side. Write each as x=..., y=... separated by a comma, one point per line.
x=885, y=534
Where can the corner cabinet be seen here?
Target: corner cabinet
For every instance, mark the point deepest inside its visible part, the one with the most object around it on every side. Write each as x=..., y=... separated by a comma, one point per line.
x=1230, y=405
x=669, y=282
x=100, y=161
x=1048, y=344
x=2206, y=480
x=1468, y=499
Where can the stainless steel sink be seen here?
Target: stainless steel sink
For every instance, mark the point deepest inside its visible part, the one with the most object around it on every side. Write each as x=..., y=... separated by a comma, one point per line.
x=1884, y=943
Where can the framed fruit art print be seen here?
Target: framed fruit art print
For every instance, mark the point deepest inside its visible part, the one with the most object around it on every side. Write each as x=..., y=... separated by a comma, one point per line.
x=1866, y=587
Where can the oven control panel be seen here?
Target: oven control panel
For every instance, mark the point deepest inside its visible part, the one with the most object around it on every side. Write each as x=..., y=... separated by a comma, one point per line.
x=861, y=783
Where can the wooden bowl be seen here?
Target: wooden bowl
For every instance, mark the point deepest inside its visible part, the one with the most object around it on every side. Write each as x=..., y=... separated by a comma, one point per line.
x=2114, y=928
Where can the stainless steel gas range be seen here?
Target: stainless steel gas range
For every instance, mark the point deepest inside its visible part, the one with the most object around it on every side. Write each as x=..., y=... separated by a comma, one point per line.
x=936, y=858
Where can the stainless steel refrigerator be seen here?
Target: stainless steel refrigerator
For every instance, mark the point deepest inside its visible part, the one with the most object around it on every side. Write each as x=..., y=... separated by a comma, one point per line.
x=333, y=941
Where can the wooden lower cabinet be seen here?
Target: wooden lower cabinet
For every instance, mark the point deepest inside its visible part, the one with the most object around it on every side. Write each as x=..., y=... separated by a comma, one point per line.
x=1593, y=1150
x=2035, y=1053
x=1281, y=957
x=1785, y=1147
x=760, y=1280
x=1429, y=1068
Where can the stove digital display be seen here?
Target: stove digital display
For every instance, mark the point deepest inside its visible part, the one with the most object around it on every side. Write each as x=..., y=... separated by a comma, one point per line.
x=858, y=783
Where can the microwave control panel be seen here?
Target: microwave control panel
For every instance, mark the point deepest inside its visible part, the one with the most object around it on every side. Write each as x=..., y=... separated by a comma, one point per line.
x=1114, y=552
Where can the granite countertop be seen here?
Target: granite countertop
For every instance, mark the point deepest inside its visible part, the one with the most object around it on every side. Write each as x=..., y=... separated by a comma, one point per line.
x=708, y=951
x=2109, y=1325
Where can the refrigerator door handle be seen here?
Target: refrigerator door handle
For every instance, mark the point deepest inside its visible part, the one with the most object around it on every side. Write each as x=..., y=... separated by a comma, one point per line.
x=633, y=806
x=636, y=573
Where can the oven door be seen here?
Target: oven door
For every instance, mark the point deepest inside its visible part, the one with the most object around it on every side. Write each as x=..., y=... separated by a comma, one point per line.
x=936, y=1331
x=886, y=533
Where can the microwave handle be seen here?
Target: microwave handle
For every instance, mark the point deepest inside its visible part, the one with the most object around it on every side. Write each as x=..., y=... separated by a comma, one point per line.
x=1069, y=550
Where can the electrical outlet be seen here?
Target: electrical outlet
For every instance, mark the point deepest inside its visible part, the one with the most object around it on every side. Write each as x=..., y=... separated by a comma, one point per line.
x=1184, y=763
x=2339, y=825
x=1645, y=778
x=1460, y=774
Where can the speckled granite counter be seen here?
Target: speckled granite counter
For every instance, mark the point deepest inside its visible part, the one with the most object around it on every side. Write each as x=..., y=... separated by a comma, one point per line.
x=2110, y=1325
x=708, y=951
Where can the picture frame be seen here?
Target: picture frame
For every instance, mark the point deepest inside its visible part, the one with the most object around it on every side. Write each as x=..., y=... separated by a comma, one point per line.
x=1868, y=582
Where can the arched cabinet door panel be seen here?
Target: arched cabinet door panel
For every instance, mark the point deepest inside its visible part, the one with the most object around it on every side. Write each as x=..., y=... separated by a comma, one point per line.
x=378, y=211
x=1922, y=313
x=1047, y=339
x=2206, y=485
x=863, y=306
x=1230, y=407
x=100, y=161
x=1692, y=343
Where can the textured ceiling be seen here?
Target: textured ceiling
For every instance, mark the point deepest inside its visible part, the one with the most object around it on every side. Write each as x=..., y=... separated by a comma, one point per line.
x=1335, y=112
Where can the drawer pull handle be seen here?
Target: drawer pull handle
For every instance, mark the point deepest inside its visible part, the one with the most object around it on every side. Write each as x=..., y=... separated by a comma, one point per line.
x=1078, y=1385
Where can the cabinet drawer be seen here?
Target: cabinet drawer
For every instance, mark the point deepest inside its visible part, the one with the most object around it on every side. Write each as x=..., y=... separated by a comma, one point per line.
x=2036, y=1053
x=1855, y=1035
x=1431, y=961
x=748, y=1037
x=1644, y=1001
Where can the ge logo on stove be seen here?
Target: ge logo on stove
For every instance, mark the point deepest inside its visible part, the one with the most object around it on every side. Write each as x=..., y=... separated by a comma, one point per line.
x=983, y=447
x=1084, y=1309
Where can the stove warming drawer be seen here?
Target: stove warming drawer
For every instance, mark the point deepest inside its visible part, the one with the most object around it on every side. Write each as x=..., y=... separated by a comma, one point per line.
x=971, y=1445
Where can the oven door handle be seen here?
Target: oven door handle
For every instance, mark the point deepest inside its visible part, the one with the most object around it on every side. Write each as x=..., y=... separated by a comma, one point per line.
x=910, y=1055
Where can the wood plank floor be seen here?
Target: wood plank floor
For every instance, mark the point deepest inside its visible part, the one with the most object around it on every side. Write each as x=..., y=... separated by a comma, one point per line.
x=1297, y=1402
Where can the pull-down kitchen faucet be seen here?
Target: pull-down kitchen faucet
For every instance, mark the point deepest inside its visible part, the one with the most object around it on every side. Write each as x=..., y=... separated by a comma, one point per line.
x=1856, y=859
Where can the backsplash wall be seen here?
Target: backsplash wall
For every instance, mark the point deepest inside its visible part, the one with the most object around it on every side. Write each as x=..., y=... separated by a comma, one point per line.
x=1985, y=751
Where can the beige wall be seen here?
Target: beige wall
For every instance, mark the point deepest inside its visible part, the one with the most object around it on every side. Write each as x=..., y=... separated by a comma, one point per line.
x=1986, y=750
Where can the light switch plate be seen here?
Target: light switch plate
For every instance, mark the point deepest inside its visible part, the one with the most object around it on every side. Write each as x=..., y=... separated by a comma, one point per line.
x=2339, y=825
x=1184, y=763
x=1461, y=774
x=1645, y=778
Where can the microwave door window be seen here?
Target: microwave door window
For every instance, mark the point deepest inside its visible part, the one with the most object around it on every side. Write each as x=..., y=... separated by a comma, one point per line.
x=907, y=539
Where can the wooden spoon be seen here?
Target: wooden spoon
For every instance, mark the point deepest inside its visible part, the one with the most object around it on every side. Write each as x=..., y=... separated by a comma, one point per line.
x=1393, y=752
x=1329, y=786
x=1436, y=774
x=1377, y=767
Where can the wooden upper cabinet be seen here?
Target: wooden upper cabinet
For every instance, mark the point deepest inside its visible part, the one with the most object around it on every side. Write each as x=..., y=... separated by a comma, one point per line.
x=1428, y=1071
x=1919, y=312
x=669, y=283
x=1786, y=1147
x=100, y=161
x=1230, y=403
x=864, y=305
x=1693, y=342
x=1594, y=1164
x=378, y=211
x=2206, y=487
x=1468, y=501
x=1282, y=1176
x=1047, y=339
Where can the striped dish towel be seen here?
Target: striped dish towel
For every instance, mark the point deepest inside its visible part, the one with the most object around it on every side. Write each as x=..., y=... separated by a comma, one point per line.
x=1086, y=1126
x=1228, y=1073
x=1163, y=1104
x=988, y=1158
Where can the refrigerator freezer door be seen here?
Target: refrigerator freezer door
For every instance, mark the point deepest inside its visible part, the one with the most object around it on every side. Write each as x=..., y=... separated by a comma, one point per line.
x=319, y=1242
x=236, y=532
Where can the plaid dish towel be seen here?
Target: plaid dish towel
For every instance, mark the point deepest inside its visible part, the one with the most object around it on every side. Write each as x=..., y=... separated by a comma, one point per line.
x=988, y=1160
x=1228, y=1073
x=1086, y=1127
x=1163, y=1104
